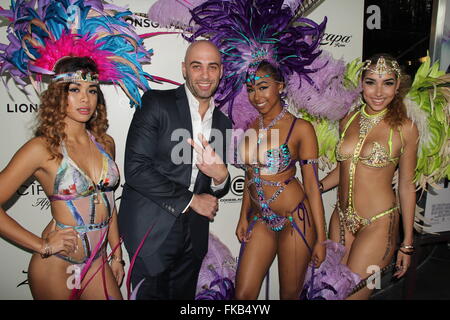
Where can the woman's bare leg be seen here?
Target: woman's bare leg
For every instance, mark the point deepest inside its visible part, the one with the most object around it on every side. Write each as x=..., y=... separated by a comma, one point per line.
x=256, y=259
x=95, y=290
x=373, y=246
x=335, y=234
x=48, y=278
x=294, y=257
x=54, y=279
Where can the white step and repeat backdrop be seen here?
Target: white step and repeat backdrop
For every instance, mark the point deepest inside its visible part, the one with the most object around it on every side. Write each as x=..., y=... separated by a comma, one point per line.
x=31, y=208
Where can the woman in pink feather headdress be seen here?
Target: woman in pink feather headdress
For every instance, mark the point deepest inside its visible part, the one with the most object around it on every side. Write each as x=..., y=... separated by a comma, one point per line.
x=75, y=45
x=72, y=158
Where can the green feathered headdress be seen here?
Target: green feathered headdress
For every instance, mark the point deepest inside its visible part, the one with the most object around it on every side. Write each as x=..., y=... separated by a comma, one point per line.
x=427, y=105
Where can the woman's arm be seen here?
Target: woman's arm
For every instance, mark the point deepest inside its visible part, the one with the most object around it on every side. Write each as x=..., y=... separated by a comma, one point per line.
x=308, y=149
x=113, y=237
x=407, y=191
x=117, y=262
x=241, y=229
x=25, y=163
x=331, y=180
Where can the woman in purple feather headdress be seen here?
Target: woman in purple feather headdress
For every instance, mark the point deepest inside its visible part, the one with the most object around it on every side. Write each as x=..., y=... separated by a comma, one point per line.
x=263, y=42
x=269, y=47
x=279, y=215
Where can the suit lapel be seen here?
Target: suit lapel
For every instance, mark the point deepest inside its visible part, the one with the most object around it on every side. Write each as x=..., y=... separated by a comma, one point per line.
x=185, y=123
x=183, y=109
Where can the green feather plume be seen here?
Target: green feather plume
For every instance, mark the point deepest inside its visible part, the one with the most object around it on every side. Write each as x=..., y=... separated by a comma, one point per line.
x=428, y=107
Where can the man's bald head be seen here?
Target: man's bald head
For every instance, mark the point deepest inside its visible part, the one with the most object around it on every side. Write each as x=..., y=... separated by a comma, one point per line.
x=201, y=45
x=202, y=69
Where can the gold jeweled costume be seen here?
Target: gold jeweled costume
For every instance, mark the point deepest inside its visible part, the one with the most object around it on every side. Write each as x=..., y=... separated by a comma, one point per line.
x=378, y=158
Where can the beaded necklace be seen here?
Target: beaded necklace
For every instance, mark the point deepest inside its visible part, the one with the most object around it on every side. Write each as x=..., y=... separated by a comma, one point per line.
x=366, y=123
x=263, y=130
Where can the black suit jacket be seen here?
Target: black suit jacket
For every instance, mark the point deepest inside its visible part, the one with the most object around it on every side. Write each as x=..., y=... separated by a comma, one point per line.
x=156, y=189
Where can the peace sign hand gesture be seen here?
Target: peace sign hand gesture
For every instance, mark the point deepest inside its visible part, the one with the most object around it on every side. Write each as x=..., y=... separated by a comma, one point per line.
x=208, y=161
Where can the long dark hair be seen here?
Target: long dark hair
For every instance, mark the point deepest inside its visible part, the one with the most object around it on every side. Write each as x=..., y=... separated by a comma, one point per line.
x=52, y=110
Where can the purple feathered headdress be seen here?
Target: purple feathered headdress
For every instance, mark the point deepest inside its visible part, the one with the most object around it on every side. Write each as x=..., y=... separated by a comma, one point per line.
x=248, y=32
x=327, y=97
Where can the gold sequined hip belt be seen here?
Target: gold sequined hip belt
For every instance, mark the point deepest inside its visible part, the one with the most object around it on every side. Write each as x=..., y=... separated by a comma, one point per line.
x=354, y=222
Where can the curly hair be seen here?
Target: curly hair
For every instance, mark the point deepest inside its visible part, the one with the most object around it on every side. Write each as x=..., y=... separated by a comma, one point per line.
x=396, y=114
x=52, y=110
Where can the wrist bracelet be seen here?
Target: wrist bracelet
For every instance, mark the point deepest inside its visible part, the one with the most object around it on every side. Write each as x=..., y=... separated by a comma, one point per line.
x=47, y=249
x=403, y=246
x=409, y=253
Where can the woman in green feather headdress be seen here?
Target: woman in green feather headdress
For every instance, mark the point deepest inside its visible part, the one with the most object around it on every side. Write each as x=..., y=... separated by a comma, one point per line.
x=375, y=140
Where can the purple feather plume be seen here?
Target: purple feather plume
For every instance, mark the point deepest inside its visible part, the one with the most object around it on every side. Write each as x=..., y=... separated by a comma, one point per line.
x=217, y=273
x=327, y=98
x=176, y=13
x=250, y=31
x=247, y=113
x=173, y=13
x=332, y=280
x=293, y=4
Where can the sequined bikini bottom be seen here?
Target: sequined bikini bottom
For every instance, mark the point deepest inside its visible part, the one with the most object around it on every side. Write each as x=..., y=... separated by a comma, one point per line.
x=354, y=222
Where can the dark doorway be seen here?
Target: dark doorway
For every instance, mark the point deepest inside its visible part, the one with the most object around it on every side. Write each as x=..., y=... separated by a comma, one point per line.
x=402, y=31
